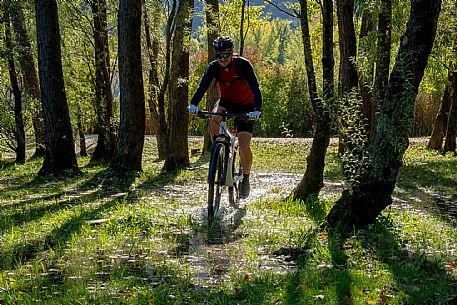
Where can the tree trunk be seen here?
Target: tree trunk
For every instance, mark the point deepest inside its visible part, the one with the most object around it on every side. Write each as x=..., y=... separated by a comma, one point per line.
x=371, y=191
x=31, y=84
x=442, y=118
x=156, y=92
x=19, y=132
x=243, y=10
x=212, y=94
x=449, y=144
x=383, y=61
x=152, y=47
x=178, y=93
x=60, y=147
x=130, y=141
x=103, y=94
x=348, y=80
x=313, y=180
x=82, y=136
x=366, y=79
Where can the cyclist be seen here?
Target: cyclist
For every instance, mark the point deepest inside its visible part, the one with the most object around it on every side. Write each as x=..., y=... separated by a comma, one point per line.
x=239, y=93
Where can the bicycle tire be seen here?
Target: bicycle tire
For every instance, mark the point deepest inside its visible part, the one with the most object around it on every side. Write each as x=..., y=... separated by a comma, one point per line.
x=234, y=191
x=215, y=181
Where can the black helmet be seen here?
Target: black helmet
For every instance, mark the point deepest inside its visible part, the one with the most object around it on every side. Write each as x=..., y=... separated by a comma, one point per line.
x=223, y=43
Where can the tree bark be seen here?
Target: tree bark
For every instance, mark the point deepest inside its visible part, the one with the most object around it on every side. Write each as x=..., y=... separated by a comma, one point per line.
x=178, y=93
x=103, y=94
x=313, y=179
x=243, y=11
x=442, y=118
x=383, y=61
x=156, y=92
x=366, y=79
x=212, y=94
x=450, y=143
x=60, y=148
x=31, y=84
x=130, y=141
x=19, y=132
x=348, y=80
x=371, y=191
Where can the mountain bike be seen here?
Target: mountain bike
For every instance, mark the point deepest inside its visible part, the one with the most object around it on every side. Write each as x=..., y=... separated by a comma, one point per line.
x=225, y=170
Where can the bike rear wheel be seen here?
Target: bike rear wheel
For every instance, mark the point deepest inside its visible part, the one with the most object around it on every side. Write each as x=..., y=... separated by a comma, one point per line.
x=234, y=191
x=215, y=181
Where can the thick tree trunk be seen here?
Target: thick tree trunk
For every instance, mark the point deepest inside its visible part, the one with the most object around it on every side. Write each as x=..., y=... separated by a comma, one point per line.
x=130, y=140
x=31, y=84
x=103, y=94
x=60, y=147
x=450, y=143
x=383, y=61
x=313, y=180
x=178, y=93
x=371, y=191
x=212, y=94
x=19, y=132
x=442, y=118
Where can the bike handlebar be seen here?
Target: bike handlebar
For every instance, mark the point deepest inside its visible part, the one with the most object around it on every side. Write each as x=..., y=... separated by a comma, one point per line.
x=202, y=113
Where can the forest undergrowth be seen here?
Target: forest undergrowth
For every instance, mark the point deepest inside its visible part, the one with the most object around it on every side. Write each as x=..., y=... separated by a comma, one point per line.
x=95, y=239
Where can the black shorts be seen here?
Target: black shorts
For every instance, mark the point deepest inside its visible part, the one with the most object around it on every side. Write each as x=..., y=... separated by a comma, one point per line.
x=241, y=124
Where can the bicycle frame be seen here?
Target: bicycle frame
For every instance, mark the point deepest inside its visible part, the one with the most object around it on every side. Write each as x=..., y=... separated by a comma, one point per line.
x=230, y=140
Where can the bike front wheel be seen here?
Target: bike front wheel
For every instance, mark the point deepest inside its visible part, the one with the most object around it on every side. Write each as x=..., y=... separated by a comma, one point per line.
x=215, y=181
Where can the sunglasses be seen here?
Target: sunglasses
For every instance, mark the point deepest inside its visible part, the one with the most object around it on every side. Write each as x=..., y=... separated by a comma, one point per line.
x=223, y=55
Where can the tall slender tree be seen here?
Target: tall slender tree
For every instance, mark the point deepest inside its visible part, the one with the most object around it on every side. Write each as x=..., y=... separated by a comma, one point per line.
x=60, y=148
x=178, y=93
x=157, y=90
x=103, y=94
x=212, y=94
x=371, y=190
x=442, y=117
x=313, y=179
x=383, y=60
x=451, y=133
x=19, y=132
x=130, y=140
x=29, y=72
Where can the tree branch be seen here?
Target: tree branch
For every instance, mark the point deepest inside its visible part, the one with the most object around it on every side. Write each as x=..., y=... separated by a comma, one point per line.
x=296, y=14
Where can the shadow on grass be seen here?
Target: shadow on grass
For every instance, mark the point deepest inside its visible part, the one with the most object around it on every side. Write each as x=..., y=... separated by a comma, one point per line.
x=428, y=181
x=424, y=281
x=29, y=249
x=99, y=186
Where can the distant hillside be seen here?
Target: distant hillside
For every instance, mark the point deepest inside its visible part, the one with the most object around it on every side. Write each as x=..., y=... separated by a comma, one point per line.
x=274, y=12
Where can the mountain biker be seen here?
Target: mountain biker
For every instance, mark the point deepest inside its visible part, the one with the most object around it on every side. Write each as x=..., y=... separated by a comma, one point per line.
x=239, y=93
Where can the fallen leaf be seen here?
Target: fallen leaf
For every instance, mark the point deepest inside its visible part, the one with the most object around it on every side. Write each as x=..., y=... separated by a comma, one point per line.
x=385, y=298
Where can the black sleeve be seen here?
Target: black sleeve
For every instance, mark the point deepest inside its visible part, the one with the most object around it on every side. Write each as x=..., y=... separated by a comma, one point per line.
x=251, y=78
x=210, y=73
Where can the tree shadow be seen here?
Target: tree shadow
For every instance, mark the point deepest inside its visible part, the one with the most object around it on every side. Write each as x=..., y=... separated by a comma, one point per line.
x=414, y=273
x=29, y=249
x=427, y=182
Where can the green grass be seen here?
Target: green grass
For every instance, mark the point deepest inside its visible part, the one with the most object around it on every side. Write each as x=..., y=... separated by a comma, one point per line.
x=94, y=239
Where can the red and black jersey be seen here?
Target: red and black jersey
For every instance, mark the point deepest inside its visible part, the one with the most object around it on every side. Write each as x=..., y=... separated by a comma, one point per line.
x=237, y=83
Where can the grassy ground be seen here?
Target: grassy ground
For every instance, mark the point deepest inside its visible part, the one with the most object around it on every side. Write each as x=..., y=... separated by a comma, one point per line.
x=97, y=240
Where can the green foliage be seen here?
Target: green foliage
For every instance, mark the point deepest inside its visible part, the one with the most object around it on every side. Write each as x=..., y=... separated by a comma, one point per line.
x=353, y=132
